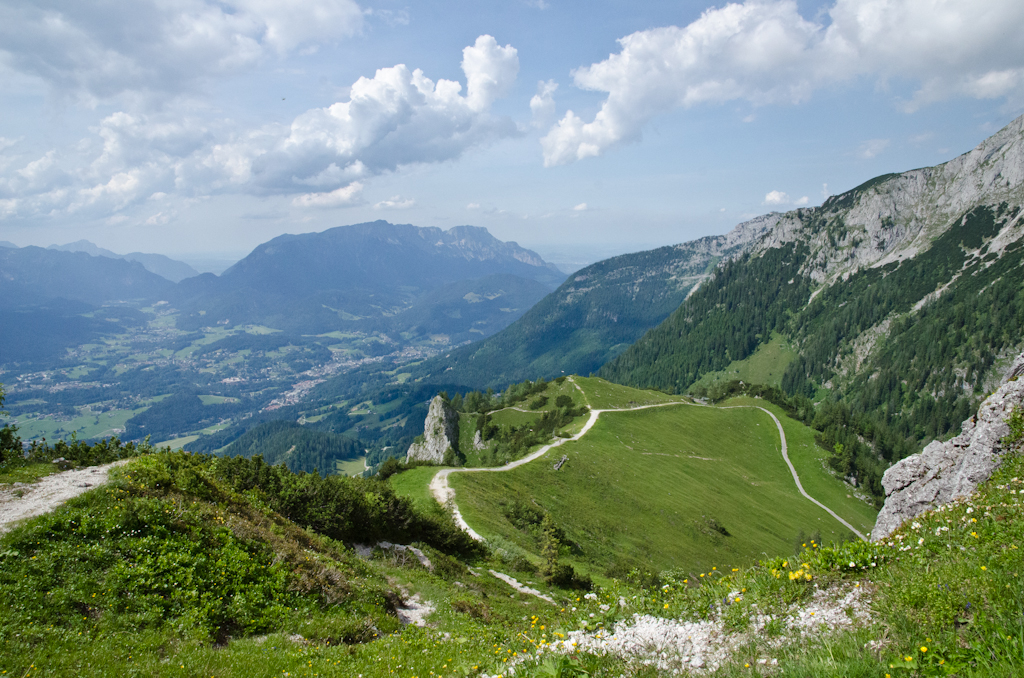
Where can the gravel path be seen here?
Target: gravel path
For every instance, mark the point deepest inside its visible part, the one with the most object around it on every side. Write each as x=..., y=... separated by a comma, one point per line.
x=796, y=478
x=49, y=493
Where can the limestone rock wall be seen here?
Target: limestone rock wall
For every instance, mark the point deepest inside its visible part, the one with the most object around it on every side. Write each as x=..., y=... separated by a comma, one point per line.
x=440, y=433
x=945, y=471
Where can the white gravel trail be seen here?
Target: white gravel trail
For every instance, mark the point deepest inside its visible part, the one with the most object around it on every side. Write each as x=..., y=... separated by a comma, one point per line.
x=49, y=493
x=796, y=478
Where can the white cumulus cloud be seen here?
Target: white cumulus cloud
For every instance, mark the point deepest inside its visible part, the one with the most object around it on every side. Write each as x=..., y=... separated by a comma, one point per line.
x=398, y=117
x=341, y=197
x=98, y=50
x=395, y=202
x=764, y=52
x=324, y=156
x=780, y=198
x=542, y=104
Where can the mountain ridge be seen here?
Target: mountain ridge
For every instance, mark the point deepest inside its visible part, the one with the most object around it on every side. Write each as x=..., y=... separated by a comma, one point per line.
x=162, y=265
x=900, y=296
x=359, y=277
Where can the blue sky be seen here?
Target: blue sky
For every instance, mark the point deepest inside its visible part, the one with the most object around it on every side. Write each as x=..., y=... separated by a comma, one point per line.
x=579, y=129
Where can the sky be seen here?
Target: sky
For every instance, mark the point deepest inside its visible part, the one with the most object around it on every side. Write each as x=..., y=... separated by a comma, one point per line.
x=578, y=129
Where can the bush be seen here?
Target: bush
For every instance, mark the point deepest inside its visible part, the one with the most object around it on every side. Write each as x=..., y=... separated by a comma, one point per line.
x=564, y=576
x=353, y=510
x=510, y=554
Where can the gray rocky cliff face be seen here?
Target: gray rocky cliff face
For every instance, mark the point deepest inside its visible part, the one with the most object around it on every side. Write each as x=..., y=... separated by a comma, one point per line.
x=944, y=472
x=440, y=433
x=896, y=217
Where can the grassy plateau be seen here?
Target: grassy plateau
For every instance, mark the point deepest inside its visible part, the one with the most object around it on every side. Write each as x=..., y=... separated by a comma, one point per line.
x=679, y=486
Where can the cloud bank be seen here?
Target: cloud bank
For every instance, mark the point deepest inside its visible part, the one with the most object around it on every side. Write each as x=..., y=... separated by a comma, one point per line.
x=96, y=51
x=398, y=117
x=764, y=52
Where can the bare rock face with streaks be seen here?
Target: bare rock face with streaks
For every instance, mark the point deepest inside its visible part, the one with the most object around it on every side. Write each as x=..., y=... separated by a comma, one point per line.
x=945, y=471
x=440, y=433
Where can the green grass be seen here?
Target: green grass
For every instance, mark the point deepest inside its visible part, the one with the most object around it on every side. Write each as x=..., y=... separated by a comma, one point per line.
x=260, y=329
x=510, y=417
x=79, y=371
x=648, y=488
x=414, y=484
x=765, y=366
x=351, y=467
x=177, y=443
x=365, y=407
x=85, y=426
x=601, y=395
x=141, y=577
x=214, y=428
x=29, y=473
x=217, y=400
x=817, y=478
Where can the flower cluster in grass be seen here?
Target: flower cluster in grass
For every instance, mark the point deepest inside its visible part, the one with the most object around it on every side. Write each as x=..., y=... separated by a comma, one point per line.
x=955, y=583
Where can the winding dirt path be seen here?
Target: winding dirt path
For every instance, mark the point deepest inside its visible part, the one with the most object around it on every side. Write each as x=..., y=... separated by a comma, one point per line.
x=796, y=478
x=50, y=492
x=445, y=495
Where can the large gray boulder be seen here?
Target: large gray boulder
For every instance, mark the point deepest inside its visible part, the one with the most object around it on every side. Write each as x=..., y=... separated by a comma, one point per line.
x=440, y=433
x=944, y=472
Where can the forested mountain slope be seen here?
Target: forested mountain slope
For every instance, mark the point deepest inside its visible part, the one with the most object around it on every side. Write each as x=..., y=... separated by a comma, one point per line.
x=595, y=314
x=900, y=295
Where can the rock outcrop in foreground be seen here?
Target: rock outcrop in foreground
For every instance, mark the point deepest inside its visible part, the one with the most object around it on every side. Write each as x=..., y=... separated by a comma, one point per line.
x=943, y=472
x=440, y=433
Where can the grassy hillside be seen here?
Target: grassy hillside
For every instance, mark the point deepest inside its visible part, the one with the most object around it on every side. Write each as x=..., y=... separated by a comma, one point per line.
x=680, y=486
x=811, y=463
x=766, y=365
x=181, y=566
x=194, y=566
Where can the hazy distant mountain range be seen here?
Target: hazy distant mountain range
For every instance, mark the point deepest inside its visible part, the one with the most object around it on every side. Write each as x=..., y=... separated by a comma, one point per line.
x=407, y=284
x=31, y=276
x=173, y=270
x=372, y=277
